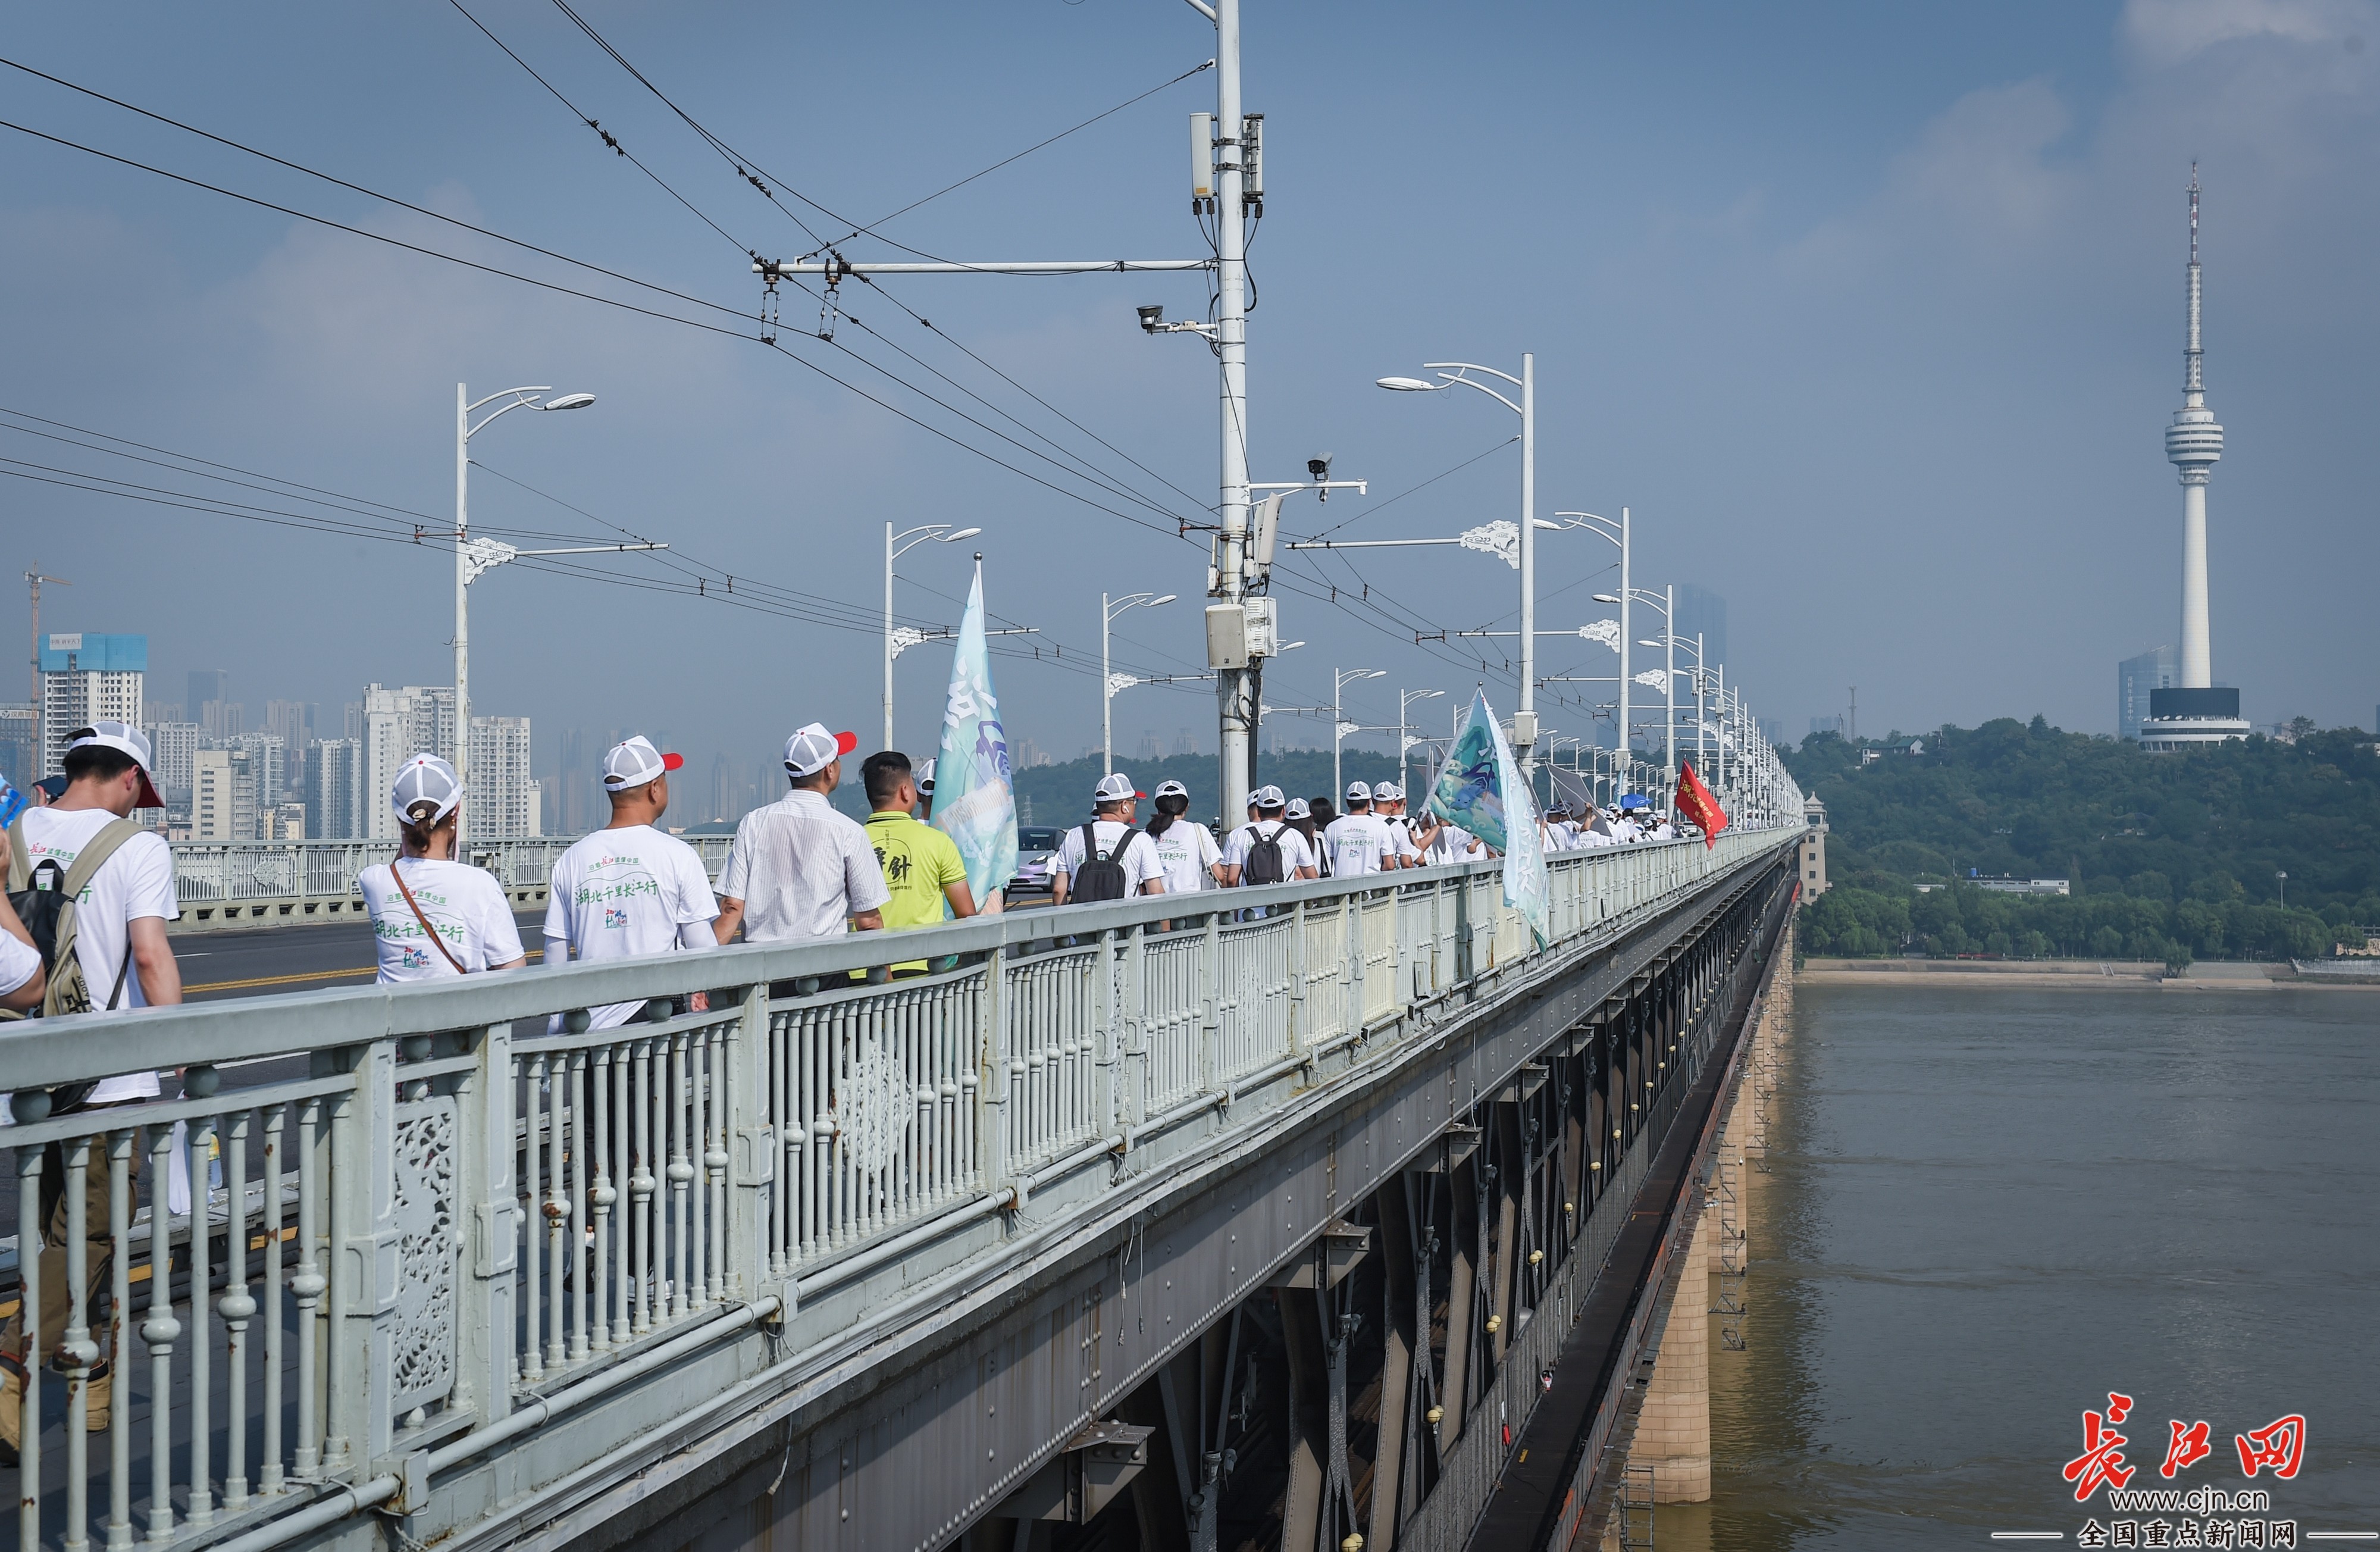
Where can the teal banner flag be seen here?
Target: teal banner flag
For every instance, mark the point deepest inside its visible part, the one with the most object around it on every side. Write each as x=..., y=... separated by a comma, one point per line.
x=1479, y=789
x=974, y=804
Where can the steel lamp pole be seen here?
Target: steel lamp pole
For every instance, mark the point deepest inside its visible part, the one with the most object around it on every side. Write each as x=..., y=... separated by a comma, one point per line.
x=896, y=546
x=465, y=406
x=1108, y=610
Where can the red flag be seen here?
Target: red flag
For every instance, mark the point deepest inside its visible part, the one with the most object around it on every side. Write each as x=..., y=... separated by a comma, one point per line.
x=1696, y=802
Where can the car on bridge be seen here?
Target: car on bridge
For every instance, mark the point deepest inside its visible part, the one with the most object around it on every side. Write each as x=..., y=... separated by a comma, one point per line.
x=1036, y=851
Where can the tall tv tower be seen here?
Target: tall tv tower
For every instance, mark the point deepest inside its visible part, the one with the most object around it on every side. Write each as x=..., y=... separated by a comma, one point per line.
x=2195, y=712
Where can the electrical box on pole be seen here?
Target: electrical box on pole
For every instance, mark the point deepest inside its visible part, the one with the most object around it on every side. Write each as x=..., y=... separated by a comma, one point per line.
x=1227, y=635
x=1266, y=538
x=1202, y=162
x=1263, y=627
x=1252, y=162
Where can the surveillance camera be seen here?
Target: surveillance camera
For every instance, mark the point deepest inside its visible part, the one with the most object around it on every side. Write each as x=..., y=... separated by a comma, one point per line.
x=1319, y=467
x=1150, y=317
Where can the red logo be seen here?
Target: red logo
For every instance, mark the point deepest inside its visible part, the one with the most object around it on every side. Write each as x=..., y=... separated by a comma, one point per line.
x=2279, y=1444
x=2102, y=1461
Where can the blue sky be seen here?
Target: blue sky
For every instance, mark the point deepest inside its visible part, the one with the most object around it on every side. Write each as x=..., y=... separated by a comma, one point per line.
x=1870, y=313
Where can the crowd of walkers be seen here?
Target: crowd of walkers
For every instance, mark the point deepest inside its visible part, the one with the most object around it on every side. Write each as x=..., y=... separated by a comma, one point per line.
x=89, y=892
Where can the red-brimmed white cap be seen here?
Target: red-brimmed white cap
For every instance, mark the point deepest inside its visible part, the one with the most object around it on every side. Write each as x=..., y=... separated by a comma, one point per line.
x=1114, y=787
x=634, y=762
x=125, y=739
x=813, y=748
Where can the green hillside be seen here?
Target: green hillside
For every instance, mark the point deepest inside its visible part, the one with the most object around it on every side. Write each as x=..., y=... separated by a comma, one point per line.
x=2169, y=855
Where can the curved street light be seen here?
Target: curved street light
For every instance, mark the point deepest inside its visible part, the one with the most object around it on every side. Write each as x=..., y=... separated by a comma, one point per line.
x=472, y=559
x=898, y=641
x=1340, y=726
x=1108, y=610
x=1524, y=716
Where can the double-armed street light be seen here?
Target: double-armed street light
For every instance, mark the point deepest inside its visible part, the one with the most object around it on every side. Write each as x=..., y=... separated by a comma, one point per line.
x=1524, y=716
x=897, y=641
x=474, y=556
x=1108, y=610
x=1340, y=726
x=1405, y=739
x=1674, y=641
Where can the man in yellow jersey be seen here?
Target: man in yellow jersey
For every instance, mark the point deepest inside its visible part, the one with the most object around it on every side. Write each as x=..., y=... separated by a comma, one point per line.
x=922, y=868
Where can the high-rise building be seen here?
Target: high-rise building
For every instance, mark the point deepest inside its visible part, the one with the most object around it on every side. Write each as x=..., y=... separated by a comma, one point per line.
x=292, y=721
x=87, y=678
x=1703, y=612
x=396, y=725
x=222, y=796
x=206, y=684
x=224, y=719
x=2195, y=711
x=19, y=745
x=503, y=800
x=2159, y=668
x=333, y=801
x=172, y=745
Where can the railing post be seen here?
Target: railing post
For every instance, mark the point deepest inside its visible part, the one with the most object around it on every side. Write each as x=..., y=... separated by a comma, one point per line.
x=1351, y=971
x=1300, y=1032
x=484, y=1175
x=1133, y=1105
x=364, y=1261
x=1211, y=1030
x=991, y=1071
x=1108, y=1038
x=752, y=1153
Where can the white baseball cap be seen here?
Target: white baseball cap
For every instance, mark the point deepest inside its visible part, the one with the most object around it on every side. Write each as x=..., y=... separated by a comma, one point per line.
x=1298, y=811
x=813, y=748
x=1388, y=792
x=1172, y=789
x=125, y=739
x=426, y=779
x=1267, y=798
x=636, y=762
x=926, y=777
x=1358, y=793
x=1114, y=787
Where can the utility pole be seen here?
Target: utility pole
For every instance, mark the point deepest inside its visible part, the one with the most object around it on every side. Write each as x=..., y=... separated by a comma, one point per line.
x=1226, y=174
x=40, y=735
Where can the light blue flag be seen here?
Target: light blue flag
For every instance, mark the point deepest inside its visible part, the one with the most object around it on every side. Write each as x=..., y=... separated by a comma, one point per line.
x=973, y=802
x=1480, y=788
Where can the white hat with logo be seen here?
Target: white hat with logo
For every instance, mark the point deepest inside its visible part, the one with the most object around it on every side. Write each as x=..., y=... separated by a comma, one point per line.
x=425, y=778
x=1114, y=787
x=1388, y=792
x=1172, y=789
x=1358, y=793
x=125, y=739
x=636, y=762
x=1267, y=797
x=813, y=748
x=1298, y=809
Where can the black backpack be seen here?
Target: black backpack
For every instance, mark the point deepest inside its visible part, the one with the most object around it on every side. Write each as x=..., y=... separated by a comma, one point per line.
x=1100, y=877
x=1264, y=865
x=44, y=898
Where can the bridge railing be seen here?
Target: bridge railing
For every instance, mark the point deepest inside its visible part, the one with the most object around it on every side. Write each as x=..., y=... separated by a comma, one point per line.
x=435, y=1215
x=214, y=870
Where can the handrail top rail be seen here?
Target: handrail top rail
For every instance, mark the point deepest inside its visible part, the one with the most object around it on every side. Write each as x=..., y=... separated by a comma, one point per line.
x=43, y=1053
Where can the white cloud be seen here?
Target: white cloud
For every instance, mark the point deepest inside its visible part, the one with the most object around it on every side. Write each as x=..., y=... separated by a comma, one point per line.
x=2165, y=33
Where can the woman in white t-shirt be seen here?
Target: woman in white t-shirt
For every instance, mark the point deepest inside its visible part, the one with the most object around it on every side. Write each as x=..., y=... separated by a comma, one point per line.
x=433, y=917
x=1187, y=852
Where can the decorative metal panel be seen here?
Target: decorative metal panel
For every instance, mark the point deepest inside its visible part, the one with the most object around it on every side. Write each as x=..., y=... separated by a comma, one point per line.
x=428, y=1252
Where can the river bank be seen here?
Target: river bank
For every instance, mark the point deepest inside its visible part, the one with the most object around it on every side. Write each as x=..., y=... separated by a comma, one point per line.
x=2075, y=975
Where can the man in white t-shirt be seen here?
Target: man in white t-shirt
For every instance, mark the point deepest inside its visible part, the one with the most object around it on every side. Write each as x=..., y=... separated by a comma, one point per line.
x=120, y=917
x=22, y=977
x=433, y=917
x=1186, y=850
x=1409, y=840
x=631, y=889
x=1358, y=842
x=1112, y=803
x=803, y=869
x=1271, y=824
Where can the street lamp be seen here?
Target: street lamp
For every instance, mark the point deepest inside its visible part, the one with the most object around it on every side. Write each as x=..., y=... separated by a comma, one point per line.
x=896, y=546
x=470, y=560
x=1524, y=717
x=1406, y=740
x=1340, y=726
x=1701, y=724
x=1108, y=610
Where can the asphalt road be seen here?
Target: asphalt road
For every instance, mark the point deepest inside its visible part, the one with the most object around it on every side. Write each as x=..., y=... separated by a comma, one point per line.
x=276, y=958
